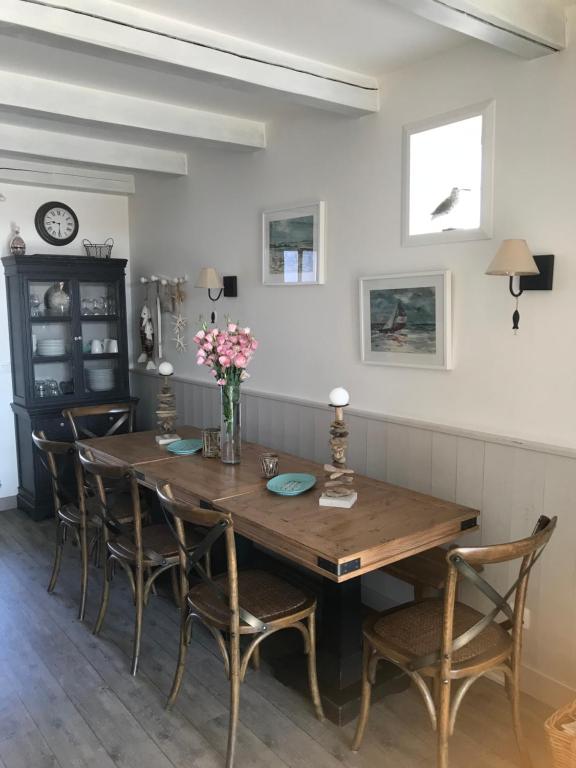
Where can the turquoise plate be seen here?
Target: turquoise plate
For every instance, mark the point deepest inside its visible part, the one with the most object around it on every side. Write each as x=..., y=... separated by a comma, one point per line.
x=185, y=447
x=291, y=484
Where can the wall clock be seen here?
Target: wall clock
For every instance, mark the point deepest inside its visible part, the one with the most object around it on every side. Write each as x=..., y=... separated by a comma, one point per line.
x=56, y=223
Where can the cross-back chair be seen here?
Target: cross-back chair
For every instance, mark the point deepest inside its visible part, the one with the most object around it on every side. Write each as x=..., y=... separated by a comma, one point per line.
x=143, y=552
x=120, y=415
x=69, y=507
x=446, y=641
x=254, y=604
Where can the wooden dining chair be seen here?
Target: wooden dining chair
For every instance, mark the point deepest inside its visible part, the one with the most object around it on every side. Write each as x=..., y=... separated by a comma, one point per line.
x=121, y=418
x=113, y=418
x=69, y=507
x=143, y=552
x=251, y=603
x=447, y=641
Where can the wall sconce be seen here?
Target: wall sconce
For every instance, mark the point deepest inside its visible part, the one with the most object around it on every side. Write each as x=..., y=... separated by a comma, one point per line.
x=210, y=278
x=526, y=272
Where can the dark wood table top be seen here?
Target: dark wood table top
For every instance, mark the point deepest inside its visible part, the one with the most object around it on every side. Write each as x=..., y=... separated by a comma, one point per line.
x=386, y=524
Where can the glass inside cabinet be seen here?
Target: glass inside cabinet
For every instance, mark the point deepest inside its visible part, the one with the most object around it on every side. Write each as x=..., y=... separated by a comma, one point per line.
x=100, y=336
x=98, y=300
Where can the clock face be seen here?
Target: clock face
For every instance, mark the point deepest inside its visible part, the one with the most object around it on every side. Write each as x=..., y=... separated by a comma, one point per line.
x=56, y=223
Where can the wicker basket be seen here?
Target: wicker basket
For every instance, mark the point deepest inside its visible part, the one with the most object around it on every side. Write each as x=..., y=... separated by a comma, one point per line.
x=562, y=744
x=99, y=250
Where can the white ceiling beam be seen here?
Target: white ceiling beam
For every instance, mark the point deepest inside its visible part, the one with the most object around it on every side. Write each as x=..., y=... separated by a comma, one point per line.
x=34, y=142
x=527, y=28
x=58, y=99
x=169, y=43
x=18, y=171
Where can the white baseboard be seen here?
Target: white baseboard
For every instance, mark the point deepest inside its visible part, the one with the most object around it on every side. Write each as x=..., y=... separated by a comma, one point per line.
x=7, y=502
x=546, y=689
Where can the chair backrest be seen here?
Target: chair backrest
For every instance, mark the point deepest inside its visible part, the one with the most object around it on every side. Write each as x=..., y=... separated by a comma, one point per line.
x=95, y=474
x=58, y=456
x=217, y=524
x=120, y=414
x=461, y=561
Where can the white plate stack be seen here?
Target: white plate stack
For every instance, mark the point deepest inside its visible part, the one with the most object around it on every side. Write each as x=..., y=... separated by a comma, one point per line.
x=51, y=347
x=100, y=379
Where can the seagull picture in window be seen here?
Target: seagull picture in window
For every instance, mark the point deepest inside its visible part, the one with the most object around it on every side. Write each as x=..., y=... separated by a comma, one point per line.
x=448, y=205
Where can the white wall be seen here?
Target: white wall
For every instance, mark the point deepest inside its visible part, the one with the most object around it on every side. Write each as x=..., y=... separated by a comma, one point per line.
x=520, y=385
x=99, y=216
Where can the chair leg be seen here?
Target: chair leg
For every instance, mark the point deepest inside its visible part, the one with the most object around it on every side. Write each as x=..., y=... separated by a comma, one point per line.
x=366, y=696
x=312, y=676
x=185, y=630
x=57, y=556
x=513, y=690
x=84, y=557
x=175, y=587
x=256, y=658
x=443, y=727
x=234, y=698
x=105, y=596
x=139, y=601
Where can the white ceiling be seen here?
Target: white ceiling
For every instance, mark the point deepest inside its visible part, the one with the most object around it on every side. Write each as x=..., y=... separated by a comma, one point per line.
x=367, y=36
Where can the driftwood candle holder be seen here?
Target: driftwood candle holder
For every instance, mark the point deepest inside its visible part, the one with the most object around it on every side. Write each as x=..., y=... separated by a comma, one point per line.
x=339, y=483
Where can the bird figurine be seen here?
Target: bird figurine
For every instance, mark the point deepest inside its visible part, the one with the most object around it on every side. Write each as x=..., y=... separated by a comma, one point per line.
x=449, y=203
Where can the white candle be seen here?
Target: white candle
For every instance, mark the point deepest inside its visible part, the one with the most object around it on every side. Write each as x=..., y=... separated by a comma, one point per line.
x=166, y=369
x=339, y=397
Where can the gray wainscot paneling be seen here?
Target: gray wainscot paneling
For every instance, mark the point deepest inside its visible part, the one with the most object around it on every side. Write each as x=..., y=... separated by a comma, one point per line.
x=511, y=481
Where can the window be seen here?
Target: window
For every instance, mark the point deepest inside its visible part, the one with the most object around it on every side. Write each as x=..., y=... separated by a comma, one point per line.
x=448, y=177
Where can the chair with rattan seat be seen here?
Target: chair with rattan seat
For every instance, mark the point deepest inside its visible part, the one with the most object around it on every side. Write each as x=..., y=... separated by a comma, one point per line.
x=143, y=552
x=253, y=604
x=444, y=641
x=121, y=418
x=69, y=508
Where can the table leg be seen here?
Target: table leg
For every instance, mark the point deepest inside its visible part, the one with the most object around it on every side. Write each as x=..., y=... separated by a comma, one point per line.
x=339, y=656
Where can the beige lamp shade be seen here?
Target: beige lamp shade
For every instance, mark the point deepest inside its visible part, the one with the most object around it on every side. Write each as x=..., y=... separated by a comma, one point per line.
x=209, y=278
x=513, y=258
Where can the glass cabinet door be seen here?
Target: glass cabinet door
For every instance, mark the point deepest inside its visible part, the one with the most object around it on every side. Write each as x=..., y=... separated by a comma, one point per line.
x=52, y=340
x=101, y=340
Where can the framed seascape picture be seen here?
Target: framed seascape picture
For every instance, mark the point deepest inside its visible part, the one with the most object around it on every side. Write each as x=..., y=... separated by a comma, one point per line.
x=293, y=245
x=407, y=319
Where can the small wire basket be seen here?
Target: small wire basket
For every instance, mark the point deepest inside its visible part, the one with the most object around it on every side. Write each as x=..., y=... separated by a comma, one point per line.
x=562, y=744
x=99, y=250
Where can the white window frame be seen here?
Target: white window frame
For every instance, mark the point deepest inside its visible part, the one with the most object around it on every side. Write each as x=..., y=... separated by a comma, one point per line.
x=484, y=231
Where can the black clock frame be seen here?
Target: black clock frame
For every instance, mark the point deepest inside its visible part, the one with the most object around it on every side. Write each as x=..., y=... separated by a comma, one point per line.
x=41, y=229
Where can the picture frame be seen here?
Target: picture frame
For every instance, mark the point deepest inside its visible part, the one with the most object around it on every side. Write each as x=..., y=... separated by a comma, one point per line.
x=406, y=319
x=293, y=249
x=442, y=171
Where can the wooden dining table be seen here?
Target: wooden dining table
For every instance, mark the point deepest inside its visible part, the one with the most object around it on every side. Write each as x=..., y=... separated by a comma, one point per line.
x=325, y=548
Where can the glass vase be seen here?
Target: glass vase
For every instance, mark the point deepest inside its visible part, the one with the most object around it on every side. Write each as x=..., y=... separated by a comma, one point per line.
x=230, y=424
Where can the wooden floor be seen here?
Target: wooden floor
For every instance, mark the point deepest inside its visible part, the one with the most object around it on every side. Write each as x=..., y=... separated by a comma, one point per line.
x=67, y=699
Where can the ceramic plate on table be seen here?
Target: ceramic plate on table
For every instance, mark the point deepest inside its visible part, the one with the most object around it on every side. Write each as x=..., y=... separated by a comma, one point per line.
x=291, y=484
x=185, y=447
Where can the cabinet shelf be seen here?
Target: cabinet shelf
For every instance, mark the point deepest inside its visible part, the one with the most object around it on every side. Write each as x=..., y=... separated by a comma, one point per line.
x=39, y=359
x=43, y=319
x=101, y=356
x=98, y=318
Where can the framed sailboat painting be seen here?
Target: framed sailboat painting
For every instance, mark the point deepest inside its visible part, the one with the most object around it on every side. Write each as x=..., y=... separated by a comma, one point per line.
x=406, y=319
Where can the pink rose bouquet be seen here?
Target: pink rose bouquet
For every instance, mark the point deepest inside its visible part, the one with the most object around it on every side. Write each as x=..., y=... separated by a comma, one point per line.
x=226, y=352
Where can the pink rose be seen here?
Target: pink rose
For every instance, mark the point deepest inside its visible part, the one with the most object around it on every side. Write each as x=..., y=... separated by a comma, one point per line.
x=221, y=382
x=224, y=361
x=232, y=327
x=240, y=361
